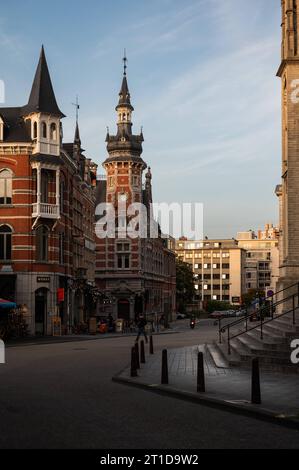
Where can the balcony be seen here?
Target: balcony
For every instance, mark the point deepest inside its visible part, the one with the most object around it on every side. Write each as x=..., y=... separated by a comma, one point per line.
x=46, y=211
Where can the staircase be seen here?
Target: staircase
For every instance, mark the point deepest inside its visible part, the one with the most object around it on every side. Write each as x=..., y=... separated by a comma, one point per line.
x=269, y=338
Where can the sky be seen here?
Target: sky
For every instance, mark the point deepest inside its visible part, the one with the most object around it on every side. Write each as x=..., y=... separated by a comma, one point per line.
x=202, y=78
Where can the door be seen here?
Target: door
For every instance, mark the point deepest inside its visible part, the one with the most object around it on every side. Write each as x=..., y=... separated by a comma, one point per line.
x=40, y=311
x=123, y=309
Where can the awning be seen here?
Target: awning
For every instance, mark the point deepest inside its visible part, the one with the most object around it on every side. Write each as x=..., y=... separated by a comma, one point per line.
x=7, y=304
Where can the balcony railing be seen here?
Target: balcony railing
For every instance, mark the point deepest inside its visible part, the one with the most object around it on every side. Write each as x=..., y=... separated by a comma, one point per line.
x=47, y=211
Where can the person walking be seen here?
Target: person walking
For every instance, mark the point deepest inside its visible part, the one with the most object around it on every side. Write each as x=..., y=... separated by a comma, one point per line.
x=141, y=323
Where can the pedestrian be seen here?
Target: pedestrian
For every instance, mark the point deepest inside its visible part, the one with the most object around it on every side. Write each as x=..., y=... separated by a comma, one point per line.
x=141, y=322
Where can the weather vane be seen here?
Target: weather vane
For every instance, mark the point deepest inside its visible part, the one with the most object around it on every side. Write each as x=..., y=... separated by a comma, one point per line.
x=125, y=60
x=77, y=106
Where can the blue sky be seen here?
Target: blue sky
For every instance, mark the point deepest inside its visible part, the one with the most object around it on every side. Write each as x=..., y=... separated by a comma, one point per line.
x=202, y=80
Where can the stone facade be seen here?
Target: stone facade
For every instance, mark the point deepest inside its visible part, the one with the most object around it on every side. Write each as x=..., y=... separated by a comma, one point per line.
x=288, y=191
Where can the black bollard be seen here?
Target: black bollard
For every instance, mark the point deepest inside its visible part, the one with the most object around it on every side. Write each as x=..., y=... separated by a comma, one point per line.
x=151, y=345
x=133, y=363
x=201, y=387
x=255, y=383
x=164, y=374
x=137, y=355
x=142, y=353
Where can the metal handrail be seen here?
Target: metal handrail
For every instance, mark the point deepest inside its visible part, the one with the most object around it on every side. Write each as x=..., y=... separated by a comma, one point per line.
x=256, y=312
x=260, y=311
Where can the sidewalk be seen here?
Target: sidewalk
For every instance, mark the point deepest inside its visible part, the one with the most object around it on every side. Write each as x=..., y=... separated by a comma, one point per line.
x=228, y=388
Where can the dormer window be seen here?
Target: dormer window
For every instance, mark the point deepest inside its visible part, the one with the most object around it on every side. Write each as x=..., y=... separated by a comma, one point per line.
x=53, y=131
x=44, y=130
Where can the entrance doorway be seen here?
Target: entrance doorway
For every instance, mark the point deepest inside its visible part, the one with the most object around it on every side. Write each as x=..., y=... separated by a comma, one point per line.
x=40, y=311
x=123, y=309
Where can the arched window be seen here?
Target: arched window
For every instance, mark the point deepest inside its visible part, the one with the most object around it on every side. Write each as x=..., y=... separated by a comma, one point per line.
x=35, y=130
x=5, y=242
x=42, y=243
x=53, y=131
x=5, y=187
x=44, y=130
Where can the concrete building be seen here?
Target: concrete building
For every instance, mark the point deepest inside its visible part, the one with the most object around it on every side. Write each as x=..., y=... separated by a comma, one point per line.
x=262, y=258
x=47, y=241
x=134, y=275
x=218, y=267
x=288, y=190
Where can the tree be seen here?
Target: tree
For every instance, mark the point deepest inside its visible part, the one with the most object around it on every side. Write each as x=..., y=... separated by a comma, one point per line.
x=185, y=289
x=251, y=295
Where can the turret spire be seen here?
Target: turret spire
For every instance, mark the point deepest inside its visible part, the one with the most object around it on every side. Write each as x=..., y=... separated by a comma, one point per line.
x=42, y=97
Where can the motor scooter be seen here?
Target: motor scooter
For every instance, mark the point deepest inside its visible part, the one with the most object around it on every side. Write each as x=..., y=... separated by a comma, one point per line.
x=192, y=323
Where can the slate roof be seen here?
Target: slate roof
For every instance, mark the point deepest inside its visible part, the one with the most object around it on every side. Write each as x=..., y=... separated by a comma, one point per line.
x=42, y=97
x=14, y=126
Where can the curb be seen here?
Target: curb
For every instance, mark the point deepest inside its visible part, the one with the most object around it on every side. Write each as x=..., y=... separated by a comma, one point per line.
x=69, y=339
x=206, y=400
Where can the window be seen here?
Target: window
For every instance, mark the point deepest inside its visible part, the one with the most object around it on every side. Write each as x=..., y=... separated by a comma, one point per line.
x=44, y=187
x=35, y=130
x=53, y=131
x=5, y=242
x=62, y=187
x=44, y=130
x=61, y=248
x=123, y=255
x=42, y=243
x=5, y=187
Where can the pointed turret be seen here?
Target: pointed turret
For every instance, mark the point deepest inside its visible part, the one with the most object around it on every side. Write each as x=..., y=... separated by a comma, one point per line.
x=42, y=97
x=77, y=139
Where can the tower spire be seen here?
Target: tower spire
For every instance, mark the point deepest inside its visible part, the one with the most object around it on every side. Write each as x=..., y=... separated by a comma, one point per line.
x=42, y=97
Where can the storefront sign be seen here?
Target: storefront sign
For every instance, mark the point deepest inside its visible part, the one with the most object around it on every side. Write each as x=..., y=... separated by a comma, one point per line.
x=44, y=279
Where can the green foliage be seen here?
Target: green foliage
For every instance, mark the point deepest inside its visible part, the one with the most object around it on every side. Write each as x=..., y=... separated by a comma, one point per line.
x=251, y=295
x=185, y=290
x=216, y=305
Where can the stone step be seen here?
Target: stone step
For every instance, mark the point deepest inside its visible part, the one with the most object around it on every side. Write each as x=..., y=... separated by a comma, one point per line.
x=284, y=323
x=254, y=348
x=278, y=330
x=269, y=338
x=234, y=359
x=217, y=356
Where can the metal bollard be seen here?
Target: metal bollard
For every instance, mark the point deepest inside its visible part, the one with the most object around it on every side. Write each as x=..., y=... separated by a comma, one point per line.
x=133, y=363
x=255, y=383
x=164, y=374
x=137, y=355
x=142, y=353
x=201, y=386
x=151, y=345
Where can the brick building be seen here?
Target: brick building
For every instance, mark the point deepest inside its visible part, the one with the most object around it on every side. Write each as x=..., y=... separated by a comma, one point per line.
x=46, y=212
x=134, y=274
